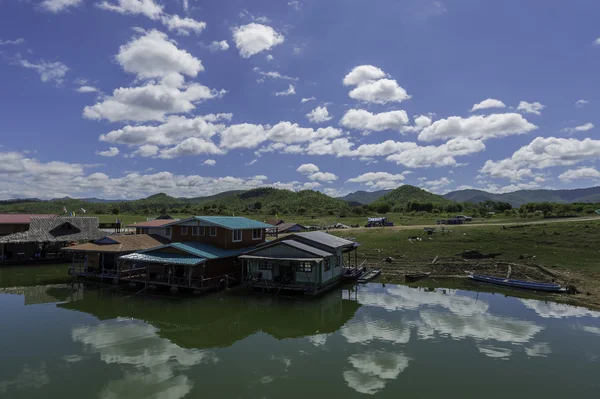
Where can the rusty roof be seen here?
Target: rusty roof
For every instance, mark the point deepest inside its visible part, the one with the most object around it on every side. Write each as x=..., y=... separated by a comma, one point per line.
x=152, y=223
x=121, y=243
x=22, y=218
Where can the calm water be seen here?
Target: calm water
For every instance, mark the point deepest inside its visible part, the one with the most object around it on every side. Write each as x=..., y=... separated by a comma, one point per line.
x=390, y=342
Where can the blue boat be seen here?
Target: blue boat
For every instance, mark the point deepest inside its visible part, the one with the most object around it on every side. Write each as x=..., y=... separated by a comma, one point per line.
x=529, y=285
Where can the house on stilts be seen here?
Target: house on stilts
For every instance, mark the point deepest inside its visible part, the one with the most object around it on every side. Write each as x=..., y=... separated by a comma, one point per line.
x=310, y=262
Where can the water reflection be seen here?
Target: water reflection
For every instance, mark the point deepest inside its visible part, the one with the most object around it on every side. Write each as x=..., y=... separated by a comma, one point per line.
x=541, y=349
x=28, y=378
x=552, y=310
x=372, y=370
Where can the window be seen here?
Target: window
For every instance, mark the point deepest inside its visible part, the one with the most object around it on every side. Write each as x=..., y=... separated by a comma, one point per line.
x=201, y=230
x=326, y=265
x=264, y=265
x=237, y=235
x=184, y=230
x=213, y=231
x=304, y=267
x=168, y=232
x=195, y=230
x=145, y=230
x=256, y=234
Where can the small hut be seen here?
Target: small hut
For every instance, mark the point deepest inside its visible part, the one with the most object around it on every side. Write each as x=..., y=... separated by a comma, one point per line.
x=46, y=236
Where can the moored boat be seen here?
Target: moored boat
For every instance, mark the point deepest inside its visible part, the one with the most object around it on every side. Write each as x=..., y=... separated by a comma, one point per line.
x=352, y=274
x=529, y=285
x=370, y=275
x=416, y=276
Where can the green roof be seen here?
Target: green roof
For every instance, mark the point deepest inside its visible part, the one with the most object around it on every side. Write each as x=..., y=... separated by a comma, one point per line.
x=228, y=222
x=161, y=257
x=206, y=251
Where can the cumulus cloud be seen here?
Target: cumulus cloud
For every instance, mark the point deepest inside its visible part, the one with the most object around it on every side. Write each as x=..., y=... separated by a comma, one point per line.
x=364, y=120
x=154, y=55
x=254, y=38
x=295, y=4
x=437, y=186
x=49, y=71
x=183, y=26
x=477, y=127
x=311, y=171
x=147, y=150
x=597, y=41
x=289, y=92
x=307, y=168
x=488, y=103
x=87, y=89
x=542, y=153
x=581, y=103
x=12, y=42
x=111, y=152
x=244, y=135
x=578, y=174
x=443, y=155
x=191, y=146
x=319, y=115
x=578, y=129
x=57, y=6
x=219, y=46
x=133, y=7
x=421, y=122
x=373, y=86
x=380, y=180
x=531, y=108
x=210, y=162
x=304, y=100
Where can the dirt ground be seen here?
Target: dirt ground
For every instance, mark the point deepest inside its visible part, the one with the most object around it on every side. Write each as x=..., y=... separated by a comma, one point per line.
x=587, y=285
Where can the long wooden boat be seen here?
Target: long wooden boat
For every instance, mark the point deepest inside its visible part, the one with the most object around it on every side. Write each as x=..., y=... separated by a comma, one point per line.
x=370, y=275
x=416, y=276
x=529, y=285
x=352, y=274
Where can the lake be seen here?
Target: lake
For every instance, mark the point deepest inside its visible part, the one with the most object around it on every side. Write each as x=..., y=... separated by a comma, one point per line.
x=386, y=341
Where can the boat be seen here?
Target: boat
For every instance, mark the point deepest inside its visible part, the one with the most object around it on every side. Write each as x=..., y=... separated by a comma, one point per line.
x=416, y=276
x=529, y=285
x=370, y=275
x=352, y=274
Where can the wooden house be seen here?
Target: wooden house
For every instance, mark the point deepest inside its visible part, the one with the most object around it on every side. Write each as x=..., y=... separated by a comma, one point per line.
x=153, y=227
x=308, y=262
x=284, y=228
x=11, y=223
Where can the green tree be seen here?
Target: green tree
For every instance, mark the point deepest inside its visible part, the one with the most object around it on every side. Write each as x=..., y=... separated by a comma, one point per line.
x=383, y=208
x=115, y=211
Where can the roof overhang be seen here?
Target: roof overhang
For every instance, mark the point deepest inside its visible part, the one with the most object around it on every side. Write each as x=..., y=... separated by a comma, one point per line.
x=280, y=258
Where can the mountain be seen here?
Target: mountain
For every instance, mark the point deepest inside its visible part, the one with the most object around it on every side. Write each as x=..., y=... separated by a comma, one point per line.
x=520, y=197
x=402, y=195
x=364, y=197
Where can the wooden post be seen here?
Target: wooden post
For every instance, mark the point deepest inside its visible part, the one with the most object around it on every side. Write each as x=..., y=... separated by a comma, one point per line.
x=190, y=271
x=355, y=258
x=147, y=278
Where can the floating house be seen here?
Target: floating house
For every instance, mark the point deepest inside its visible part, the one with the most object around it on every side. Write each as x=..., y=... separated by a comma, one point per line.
x=46, y=237
x=100, y=258
x=307, y=262
x=11, y=223
x=153, y=227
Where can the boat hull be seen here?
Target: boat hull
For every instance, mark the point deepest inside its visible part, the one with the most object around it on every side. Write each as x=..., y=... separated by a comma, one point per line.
x=370, y=275
x=517, y=283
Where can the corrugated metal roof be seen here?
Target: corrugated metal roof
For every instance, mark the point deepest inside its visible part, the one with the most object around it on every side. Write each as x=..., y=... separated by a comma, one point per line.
x=228, y=222
x=200, y=249
x=162, y=257
x=152, y=223
x=21, y=218
x=306, y=248
x=324, y=239
x=122, y=243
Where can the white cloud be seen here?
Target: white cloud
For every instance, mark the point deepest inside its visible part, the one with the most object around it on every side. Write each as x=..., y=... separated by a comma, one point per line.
x=304, y=100
x=254, y=38
x=191, y=146
x=134, y=7
x=581, y=103
x=183, y=26
x=49, y=71
x=219, y=46
x=12, y=42
x=154, y=55
x=111, y=152
x=541, y=153
x=488, y=103
x=323, y=177
x=531, y=108
x=290, y=133
x=272, y=74
x=443, y=155
x=581, y=173
x=319, y=115
x=295, y=4
x=380, y=180
x=307, y=168
x=269, y=57
x=363, y=74
x=477, y=127
x=373, y=370
x=87, y=89
x=147, y=150
x=364, y=120
x=57, y=6
x=289, y=92
x=597, y=41
x=244, y=135
x=577, y=129
x=421, y=122
x=152, y=101
x=175, y=129
x=372, y=87
x=210, y=162
x=436, y=186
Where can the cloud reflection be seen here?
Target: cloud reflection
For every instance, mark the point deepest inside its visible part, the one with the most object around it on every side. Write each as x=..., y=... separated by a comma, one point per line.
x=552, y=310
x=373, y=370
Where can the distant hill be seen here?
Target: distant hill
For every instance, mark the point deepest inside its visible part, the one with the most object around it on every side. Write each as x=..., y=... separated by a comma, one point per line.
x=405, y=194
x=520, y=197
x=364, y=197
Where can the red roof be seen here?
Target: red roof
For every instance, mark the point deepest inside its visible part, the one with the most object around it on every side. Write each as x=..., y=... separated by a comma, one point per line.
x=21, y=218
x=152, y=223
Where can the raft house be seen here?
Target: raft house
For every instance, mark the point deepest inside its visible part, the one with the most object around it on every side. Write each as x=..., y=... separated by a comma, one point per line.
x=310, y=262
x=45, y=237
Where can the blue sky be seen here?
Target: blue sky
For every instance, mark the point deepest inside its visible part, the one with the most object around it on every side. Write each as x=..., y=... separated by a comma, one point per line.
x=126, y=98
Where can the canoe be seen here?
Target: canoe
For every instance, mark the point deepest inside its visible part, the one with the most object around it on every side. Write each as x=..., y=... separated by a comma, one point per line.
x=352, y=274
x=529, y=285
x=370, y=275
x=415, y=276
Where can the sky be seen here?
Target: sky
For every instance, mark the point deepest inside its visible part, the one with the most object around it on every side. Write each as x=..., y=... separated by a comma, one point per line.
x=128, y=98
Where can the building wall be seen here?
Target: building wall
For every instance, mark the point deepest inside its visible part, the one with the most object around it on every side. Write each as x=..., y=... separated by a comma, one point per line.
x=223, y=239
x=160, y=231
x=6, y=229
